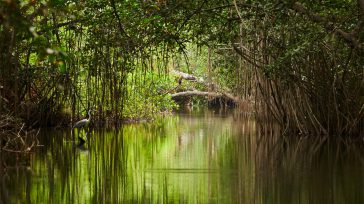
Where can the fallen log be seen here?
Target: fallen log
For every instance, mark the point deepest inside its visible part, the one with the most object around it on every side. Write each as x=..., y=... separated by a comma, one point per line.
x=195, y=93
x=188, y=77
x=187, y=94
x=214, y=95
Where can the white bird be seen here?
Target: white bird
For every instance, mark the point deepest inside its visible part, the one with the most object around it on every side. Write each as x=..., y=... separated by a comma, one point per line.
x=84, y=122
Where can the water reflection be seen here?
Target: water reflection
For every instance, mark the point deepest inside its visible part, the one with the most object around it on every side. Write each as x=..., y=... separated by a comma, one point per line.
x=206, y=157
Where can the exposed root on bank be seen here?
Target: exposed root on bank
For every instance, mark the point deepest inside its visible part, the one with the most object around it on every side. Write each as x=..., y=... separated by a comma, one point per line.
x=14, y=137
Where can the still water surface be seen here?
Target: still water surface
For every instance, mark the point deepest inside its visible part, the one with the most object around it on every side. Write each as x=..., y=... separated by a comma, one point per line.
x=205, y=157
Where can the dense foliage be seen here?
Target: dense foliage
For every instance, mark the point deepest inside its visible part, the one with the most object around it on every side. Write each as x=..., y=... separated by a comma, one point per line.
x=300, y=61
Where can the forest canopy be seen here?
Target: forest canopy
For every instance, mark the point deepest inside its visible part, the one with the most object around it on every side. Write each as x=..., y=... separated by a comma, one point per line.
x=299, y=61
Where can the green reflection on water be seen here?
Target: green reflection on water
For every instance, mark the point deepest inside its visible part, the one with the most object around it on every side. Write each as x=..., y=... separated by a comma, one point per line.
x=190, y=158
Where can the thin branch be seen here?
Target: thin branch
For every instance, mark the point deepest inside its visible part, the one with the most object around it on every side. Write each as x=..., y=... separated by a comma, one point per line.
x=240, y=52
x=229, y=6
x=192, y=14
x=348, y=37
x=121, y=27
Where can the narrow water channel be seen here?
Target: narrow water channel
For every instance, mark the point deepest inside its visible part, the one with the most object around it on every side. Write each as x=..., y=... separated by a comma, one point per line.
x=202, y=157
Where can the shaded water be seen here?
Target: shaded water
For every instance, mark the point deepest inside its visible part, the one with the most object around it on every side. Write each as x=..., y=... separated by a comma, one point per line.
x=188, y=158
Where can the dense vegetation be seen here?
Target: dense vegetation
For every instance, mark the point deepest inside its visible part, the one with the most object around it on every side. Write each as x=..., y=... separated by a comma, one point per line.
x=301, y=62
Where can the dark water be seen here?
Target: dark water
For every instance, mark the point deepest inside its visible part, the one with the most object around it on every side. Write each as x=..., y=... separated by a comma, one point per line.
x=188, y=158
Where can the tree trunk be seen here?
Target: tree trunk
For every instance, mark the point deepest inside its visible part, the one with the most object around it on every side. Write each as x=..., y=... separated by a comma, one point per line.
x=8, y=71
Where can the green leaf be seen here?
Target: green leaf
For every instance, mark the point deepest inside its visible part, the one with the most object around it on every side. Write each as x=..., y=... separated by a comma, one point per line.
x=62, y=67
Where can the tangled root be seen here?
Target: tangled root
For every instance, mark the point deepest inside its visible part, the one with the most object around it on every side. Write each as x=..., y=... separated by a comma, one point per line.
x=14, y=137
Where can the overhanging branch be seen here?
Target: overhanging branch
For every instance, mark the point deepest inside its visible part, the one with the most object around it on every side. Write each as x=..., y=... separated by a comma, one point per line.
x=348, y=37
x=244, y=56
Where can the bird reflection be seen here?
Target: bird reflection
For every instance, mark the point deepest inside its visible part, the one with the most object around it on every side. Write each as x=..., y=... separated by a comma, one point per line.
x=81, y=143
